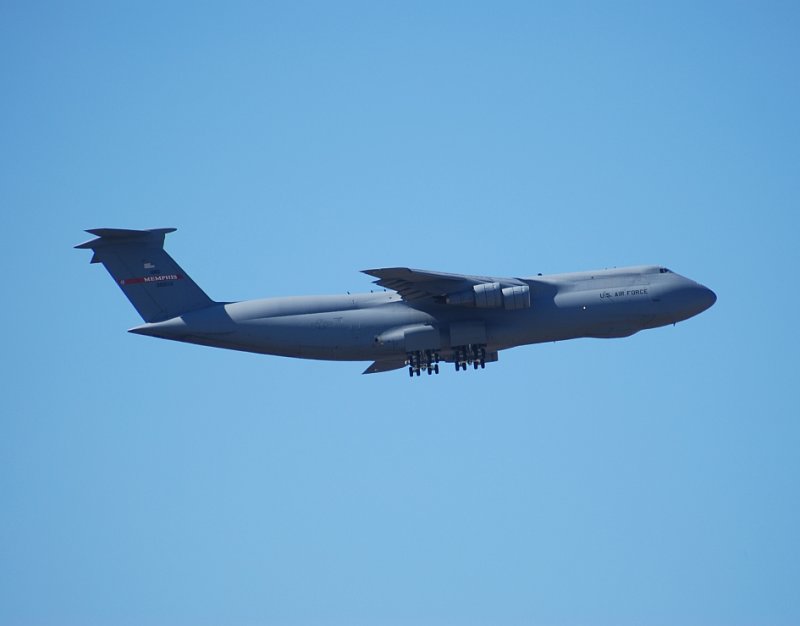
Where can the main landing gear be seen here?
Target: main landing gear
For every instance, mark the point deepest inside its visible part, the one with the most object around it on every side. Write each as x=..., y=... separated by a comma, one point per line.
x=422, y=360
x=464, y=355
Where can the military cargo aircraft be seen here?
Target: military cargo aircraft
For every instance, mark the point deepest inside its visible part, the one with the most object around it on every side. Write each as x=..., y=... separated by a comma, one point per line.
x=426, y=318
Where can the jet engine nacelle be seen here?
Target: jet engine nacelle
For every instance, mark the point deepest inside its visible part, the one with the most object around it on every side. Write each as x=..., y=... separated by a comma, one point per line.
x=518, y=297
x=493, y=296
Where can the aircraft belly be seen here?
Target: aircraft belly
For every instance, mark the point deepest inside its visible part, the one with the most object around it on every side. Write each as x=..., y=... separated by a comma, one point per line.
x=569, y=315
x=606, y=313
x=335, y=335
x=352, y=334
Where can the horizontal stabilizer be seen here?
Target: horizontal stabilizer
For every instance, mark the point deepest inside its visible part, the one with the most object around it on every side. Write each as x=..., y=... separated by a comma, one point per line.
x=116, y=236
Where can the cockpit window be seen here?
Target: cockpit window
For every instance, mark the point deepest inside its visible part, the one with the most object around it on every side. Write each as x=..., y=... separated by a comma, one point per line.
x=664, y=270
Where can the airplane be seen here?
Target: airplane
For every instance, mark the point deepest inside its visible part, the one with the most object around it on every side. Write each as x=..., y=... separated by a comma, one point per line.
x=424, y=319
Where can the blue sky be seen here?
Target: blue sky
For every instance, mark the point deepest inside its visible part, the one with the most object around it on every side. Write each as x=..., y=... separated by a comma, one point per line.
x=649, y=480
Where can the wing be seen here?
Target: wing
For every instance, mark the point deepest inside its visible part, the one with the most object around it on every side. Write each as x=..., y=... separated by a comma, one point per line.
x=385, y=366
x=483, y=292
x=414, y=284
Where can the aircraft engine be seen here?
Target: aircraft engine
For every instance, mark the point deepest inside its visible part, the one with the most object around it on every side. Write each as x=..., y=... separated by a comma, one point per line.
x=493, y=296
x=517, y=297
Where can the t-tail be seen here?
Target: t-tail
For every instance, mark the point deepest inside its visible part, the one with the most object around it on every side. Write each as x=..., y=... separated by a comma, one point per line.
x=149, y=277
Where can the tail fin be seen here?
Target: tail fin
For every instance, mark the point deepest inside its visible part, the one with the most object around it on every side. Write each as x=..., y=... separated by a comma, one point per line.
x=154, y=283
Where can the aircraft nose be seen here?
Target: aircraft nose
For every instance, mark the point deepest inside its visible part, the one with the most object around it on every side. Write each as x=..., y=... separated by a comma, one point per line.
x=699, y=298
x=707, y=298
x=690, y=299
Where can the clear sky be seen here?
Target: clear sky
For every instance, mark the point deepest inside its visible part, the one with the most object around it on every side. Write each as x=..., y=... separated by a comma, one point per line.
x=649, y=480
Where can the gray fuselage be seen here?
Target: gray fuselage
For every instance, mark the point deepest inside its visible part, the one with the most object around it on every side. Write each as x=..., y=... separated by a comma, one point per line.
x=603, y=303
